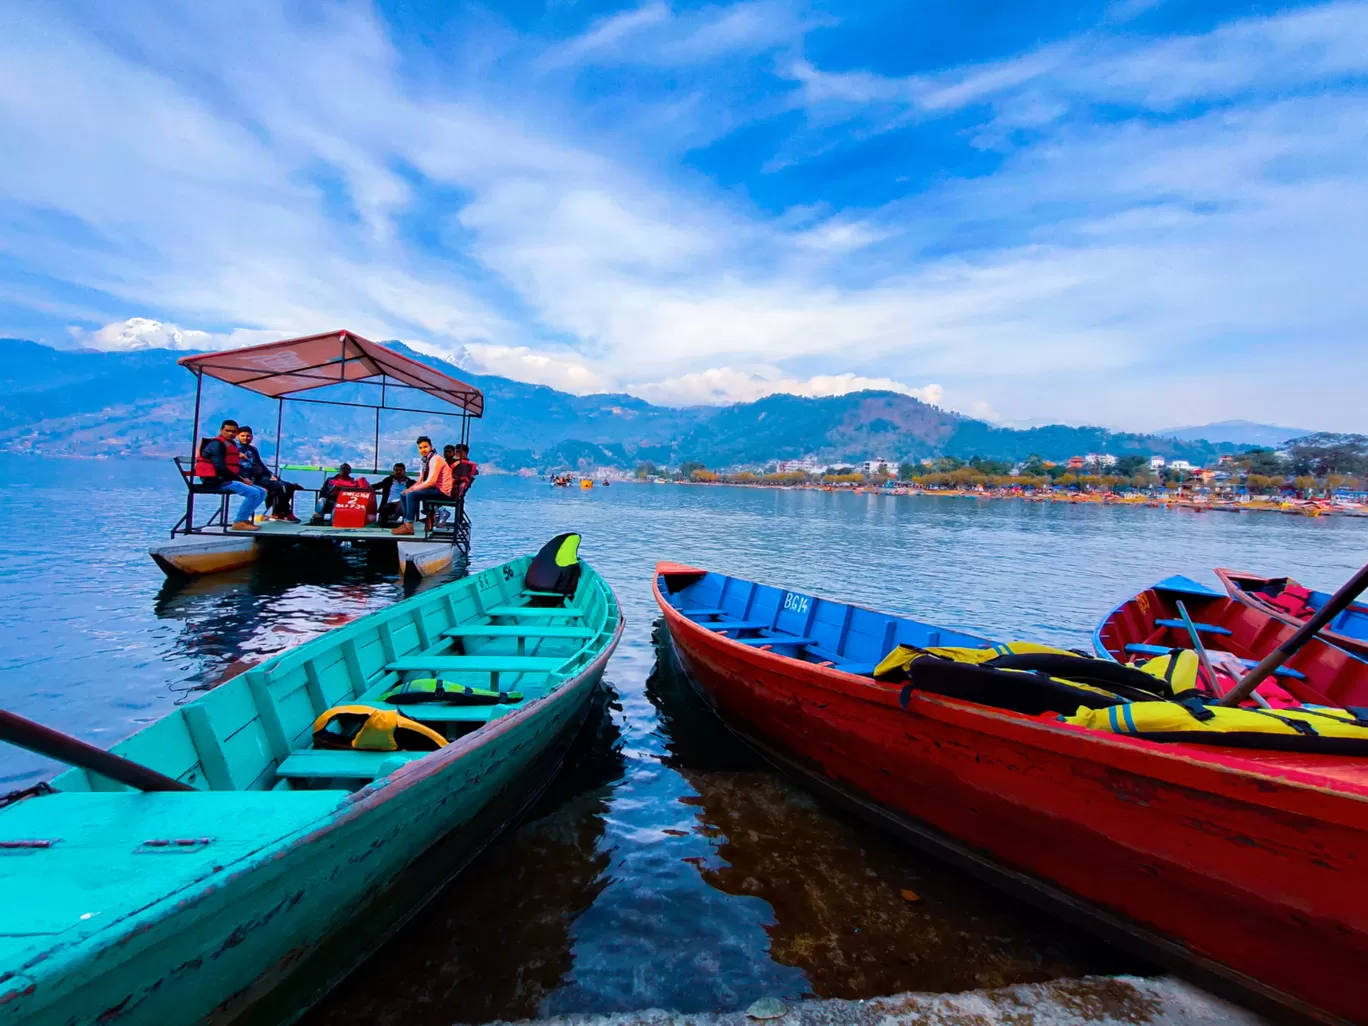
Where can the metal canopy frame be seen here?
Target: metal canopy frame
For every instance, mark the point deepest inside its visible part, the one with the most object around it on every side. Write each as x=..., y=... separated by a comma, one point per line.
x=467, y=398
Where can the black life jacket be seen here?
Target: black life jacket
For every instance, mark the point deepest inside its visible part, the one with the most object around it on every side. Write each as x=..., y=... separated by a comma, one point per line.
x=556, y=567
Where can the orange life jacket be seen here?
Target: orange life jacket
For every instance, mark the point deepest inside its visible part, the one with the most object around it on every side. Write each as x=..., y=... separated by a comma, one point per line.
x=232, y=459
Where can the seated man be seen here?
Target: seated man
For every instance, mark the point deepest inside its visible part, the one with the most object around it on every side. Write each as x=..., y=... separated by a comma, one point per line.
x=327, y=495
x=219, y=465
x=463, y=470
x=281, y=493
x=398, y=478
x=434, y=483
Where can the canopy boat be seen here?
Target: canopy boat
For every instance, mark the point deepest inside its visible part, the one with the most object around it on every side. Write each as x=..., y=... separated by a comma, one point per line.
x=1284, y=599
x=1236, y=866
x=1236, y=635
x=283, y=371
x=307, y=791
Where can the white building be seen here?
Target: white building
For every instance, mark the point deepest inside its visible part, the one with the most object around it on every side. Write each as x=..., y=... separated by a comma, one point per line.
x=877, y=468
x=807, y=465
x=1101, y=460
x=1157, y=462
x=1181, y=465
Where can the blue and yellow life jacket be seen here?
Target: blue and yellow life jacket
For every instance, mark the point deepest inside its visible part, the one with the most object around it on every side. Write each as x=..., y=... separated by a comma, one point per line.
x=1311, y=728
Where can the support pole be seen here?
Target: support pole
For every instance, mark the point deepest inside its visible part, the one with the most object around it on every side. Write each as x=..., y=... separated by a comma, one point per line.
x=377, y=440
x=280, y=413
x=194, y=455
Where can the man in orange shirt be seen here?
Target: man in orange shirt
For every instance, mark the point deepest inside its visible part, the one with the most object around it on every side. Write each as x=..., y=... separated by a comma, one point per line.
x=433, y=483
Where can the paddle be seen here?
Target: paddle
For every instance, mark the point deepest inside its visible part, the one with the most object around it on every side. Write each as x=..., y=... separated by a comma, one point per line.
x=1202, y=656
x=64, y=748
x=1337, y=603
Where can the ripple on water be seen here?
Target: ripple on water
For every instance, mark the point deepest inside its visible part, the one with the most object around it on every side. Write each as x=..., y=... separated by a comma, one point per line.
x=668, y=865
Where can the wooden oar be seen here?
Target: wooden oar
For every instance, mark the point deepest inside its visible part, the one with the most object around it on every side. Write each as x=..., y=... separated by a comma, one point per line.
x=1336, y=604
x=1202, y=656
x=74, y=752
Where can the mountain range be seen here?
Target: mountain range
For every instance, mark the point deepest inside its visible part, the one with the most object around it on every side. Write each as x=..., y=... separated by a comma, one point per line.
x=140, y=403
x=1237, y=432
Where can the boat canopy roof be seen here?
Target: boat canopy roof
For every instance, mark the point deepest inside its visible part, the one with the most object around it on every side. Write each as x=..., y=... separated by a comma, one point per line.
x=280, y=369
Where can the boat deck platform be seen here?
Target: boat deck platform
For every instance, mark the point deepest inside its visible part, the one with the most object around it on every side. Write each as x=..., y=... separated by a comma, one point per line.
x=284, y=529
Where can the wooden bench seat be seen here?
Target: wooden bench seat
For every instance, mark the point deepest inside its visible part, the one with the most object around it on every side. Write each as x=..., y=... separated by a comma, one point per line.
x=1161, y=650
x=702, y=612
x=776, y=639
x=327, y=764
x=1205, y=628
x=477, y=663
x=534, y=612
x=736, y=625
x=515, y=630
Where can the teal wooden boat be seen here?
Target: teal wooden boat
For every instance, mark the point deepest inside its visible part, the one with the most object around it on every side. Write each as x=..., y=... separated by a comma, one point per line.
x=286, y=863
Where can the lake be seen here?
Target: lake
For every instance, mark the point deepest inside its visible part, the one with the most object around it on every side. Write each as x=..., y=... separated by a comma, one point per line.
x=667, y=866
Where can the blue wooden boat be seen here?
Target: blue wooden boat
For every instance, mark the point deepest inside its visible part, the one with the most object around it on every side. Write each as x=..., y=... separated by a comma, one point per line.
x=284, y=861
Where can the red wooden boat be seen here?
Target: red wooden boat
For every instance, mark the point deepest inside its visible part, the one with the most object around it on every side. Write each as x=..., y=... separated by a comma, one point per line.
x=1241, y=868
x=1150, y=624
x=1287, y=600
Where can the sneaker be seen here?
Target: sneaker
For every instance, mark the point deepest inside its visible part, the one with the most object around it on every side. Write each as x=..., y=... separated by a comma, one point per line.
x=244, y=525
x=403, y=529
x=290, y=518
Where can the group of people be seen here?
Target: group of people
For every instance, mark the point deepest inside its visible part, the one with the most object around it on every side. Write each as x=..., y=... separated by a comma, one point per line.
x=230, y=464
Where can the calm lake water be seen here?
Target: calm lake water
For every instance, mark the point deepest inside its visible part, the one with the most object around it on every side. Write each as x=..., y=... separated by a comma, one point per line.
x=668, y=866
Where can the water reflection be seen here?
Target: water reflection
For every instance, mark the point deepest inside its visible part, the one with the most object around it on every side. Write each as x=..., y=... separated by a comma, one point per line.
x=497, y=941
x=860, y=914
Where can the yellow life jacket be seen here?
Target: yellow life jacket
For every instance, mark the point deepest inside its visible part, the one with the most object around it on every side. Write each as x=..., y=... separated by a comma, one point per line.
x=373, y=730
x=1312, y=728
x=430, y=689
x=902, y=656
x=1178, y=669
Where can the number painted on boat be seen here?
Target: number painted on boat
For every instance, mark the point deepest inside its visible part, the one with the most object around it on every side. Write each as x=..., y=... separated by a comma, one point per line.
x=796, y=603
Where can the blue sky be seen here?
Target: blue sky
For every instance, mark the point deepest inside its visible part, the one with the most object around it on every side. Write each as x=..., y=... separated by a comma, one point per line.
x=1136, y=213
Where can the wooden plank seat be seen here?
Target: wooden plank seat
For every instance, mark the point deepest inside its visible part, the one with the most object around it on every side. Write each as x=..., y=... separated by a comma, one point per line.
x=840, y=662
x=533, y=593
x=1159, y=650
x=776, y=639
x=478, y=663
x=329, y=764
x=702, y=612
x=535, y=611
x=736, y=625
x=1205, y=628
x=516, y=630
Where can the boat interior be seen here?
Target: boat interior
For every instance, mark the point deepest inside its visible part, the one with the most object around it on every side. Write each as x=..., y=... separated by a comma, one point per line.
x=832, y=634
x=246, y=748
x=255, y=732
x=1150, y=625
x=1352, y=622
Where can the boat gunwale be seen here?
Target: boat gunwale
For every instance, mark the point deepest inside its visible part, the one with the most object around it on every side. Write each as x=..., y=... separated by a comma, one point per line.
x=1172, y=762
x=1357, y=647
x=64, y=953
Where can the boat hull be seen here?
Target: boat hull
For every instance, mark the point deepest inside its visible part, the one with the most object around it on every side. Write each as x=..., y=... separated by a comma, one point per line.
x=254, y=928
x=191, y=555
x=1239, y=879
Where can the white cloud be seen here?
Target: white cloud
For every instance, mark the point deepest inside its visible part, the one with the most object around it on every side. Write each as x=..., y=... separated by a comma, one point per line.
x=721, y=385
x=1104, y=262
x=523, y=364
x=139, y=333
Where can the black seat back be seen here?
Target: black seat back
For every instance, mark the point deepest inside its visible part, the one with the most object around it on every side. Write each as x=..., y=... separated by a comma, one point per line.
x=556, y=567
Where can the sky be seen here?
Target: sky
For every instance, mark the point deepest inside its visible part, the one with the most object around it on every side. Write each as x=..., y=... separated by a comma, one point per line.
x=1133, y=213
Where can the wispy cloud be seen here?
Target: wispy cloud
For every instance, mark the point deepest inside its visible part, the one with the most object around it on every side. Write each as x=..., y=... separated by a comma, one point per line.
x=1157, y=210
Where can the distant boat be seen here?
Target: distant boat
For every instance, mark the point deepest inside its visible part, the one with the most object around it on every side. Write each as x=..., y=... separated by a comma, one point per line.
x=286, y=856
x=1285, y=600
x=1238, y=866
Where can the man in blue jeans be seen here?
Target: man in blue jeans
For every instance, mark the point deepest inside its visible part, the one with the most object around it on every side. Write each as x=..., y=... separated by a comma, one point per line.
x=220, y=466
x=434, y=482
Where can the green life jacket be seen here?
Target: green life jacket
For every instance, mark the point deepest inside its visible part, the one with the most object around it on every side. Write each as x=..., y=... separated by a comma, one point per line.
x=430, y=689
